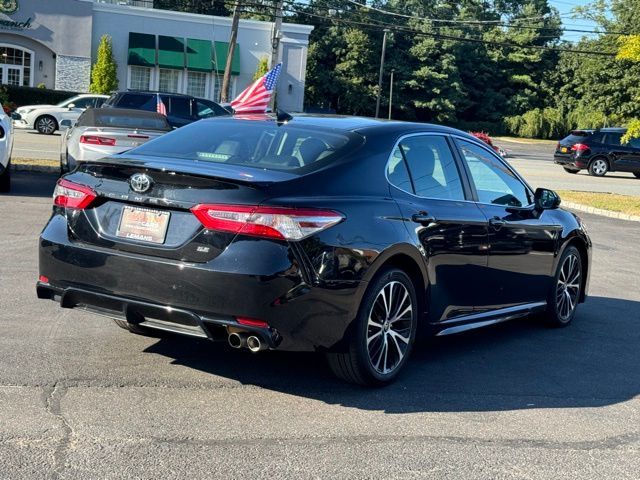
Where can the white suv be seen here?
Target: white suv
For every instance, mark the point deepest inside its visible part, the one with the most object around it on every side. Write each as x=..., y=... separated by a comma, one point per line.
x=46, y=118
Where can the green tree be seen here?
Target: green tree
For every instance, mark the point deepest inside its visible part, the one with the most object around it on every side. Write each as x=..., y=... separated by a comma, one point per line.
x=104, y=74
x=262, y=68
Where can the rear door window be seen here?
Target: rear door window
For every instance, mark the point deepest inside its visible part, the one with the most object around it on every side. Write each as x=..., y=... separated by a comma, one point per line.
x=612, y=138
x=634, y=143
x=204, y=109
x=180, y=107
x=137, y=102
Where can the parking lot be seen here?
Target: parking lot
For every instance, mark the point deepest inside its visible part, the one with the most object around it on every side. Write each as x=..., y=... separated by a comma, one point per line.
x=81, y=398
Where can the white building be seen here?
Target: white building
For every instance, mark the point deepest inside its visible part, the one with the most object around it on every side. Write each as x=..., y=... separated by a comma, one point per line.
x=53, y=42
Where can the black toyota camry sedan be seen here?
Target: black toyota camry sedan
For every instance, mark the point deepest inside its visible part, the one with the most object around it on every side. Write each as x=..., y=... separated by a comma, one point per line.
x=345, y=236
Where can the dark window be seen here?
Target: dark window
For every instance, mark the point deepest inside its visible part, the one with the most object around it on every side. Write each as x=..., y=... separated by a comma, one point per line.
x=612, y=138
x=180, y=107
x=86, y=102
x=206, y=109
x=99, y=102
x=575, y=137
x=137, y=101
x=432, y=167
x=597, y=138
x=494, y=182
x=634, y=143
x=262, y=145
x=397, y=172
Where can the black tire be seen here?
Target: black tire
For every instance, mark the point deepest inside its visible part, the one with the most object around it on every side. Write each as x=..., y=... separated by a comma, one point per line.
x=637, y=174
x=355, y=364
x=5, y=179
x=46, y=124
x=557, y=315
x=570, y=170
x=64, y=166
x=132, y=327
x=598, y=167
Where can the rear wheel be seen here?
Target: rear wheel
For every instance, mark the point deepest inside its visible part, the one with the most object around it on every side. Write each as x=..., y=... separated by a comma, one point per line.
x=383, y=334
x=598, y=167
x=570, y=170
x=132, y=327
x=5, y=179
x=46, y=124
x=565, y=294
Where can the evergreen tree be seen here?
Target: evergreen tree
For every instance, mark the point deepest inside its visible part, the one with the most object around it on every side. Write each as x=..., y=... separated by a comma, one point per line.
x=104, y=74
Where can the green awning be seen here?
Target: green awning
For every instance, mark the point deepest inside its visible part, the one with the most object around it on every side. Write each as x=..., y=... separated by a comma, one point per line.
x=222, y=48
x=170, y=52
x=199, y=55
x=142, y=49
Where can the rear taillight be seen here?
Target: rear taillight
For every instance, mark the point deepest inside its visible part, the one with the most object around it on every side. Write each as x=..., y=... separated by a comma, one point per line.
x=270, y=222
x=96, y=140
x=71, y=195
x=580, y=147
x=252, y=322
x=558, y=146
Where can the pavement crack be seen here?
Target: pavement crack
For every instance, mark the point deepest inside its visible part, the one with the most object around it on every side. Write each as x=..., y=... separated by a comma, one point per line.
x=52, y=400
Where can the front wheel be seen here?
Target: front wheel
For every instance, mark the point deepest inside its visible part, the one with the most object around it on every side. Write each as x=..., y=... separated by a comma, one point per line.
x=598, y=167
x=565, y=293
x=383, y=333
x=46, y=125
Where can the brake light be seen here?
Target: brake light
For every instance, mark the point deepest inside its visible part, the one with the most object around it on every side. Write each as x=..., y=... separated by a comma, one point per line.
x=252, y=322
x=96, y=140
x=43, y=279
x=71, y=195
x=270, y=222
x=580, y=147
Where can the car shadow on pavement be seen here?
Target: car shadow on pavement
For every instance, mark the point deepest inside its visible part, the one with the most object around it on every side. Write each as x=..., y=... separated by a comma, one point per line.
x=515, y=365
x=31, y=184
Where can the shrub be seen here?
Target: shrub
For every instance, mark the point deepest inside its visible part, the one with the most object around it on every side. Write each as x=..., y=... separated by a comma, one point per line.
x=633, y=131
x=262, y=68
x=34, y=96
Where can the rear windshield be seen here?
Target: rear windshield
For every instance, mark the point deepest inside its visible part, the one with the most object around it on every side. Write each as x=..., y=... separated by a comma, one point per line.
x=576, y=136
x=260, y=144
x=108, y=118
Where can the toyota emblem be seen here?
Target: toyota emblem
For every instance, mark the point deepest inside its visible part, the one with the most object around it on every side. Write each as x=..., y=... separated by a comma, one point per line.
x=140, y=182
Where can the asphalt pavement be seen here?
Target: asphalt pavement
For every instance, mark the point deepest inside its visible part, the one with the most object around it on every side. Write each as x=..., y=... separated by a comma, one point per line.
x=81, y=398
x=33, y=145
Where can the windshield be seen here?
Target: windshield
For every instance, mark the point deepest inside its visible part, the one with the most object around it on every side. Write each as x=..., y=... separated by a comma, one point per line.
x=261, y=144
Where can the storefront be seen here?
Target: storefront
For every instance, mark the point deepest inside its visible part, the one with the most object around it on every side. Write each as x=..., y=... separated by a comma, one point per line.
x=53, y=42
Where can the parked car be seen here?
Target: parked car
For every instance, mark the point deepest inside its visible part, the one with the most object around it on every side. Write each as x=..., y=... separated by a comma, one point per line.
x=101, y=132
x=598, y=151
x=181, y=109
x=339, y=235
x=487, y=139
x=46, y=119
x=6, y=147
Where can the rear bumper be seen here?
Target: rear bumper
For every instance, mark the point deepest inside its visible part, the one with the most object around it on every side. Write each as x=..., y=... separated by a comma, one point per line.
x=570, y=161
x=272, y=286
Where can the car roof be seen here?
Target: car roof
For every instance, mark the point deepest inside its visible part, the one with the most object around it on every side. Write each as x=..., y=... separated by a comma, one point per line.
x=354, y=124
x=613, y=129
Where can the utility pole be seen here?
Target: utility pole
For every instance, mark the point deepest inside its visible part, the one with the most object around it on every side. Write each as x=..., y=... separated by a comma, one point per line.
x=384, y=47
x=224, y=94
x=391, y=94
x=275, y=44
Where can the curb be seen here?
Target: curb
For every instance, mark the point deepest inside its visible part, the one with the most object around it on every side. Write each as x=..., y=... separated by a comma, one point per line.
x=600, y=211
x=23, y=167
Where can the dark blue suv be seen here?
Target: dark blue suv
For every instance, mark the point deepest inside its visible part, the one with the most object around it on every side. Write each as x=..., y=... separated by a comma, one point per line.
x=598, y=151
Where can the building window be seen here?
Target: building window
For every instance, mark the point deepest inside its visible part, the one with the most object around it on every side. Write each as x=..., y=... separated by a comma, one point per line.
x=15, y=66
x=196, y=84
x=169, y=80
x=139, y=78
x=217, y=87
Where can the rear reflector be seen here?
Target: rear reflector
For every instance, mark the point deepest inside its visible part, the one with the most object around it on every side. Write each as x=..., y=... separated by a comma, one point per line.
x=96, y=140
x=72, y=195
x=43, y=279
x=580, y=147
x=252, y=322
x=269, y=222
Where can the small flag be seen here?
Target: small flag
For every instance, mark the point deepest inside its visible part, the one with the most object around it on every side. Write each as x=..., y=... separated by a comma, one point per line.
x=160, y=107
x=256, y=97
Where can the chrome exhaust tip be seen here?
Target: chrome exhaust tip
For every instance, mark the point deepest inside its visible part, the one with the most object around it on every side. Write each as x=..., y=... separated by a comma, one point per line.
x=237, y=340
x=255, y=344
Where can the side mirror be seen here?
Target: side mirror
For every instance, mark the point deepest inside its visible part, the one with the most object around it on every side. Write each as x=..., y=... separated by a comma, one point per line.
x=66, y=123
x=545, y=199
x=71, y=106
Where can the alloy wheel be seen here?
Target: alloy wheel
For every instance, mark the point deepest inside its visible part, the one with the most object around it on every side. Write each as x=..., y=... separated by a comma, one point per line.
x=389, y=327
x=599, y=167
x=46, y=125
x=568, y=287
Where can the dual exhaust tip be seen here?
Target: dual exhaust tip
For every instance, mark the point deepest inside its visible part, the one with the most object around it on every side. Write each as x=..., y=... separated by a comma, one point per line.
x=242, y=340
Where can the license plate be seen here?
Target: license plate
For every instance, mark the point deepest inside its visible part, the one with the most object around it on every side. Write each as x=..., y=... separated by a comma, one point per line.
x=564, y=150
x=143, y=224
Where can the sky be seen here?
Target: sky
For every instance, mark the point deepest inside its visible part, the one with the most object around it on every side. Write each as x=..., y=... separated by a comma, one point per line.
x=565, y=7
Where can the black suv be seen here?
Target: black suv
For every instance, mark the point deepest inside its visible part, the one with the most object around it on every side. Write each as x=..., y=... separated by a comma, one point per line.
x=599, y=151
x=181, y=109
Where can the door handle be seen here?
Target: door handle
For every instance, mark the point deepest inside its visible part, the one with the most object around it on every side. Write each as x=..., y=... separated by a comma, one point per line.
x=423, y=218
x=497, y=223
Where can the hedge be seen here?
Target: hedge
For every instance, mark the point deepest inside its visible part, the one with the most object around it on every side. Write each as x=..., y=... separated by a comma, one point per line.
x=21, y=96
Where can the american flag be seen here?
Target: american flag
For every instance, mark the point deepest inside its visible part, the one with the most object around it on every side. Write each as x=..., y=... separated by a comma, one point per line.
x=160, y=107
x=255, y=98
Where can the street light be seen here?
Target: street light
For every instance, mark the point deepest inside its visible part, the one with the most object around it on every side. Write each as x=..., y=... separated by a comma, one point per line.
x=384, y=47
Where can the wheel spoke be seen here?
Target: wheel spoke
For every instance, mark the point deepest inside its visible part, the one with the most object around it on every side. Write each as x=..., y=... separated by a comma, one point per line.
x=395, y=335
